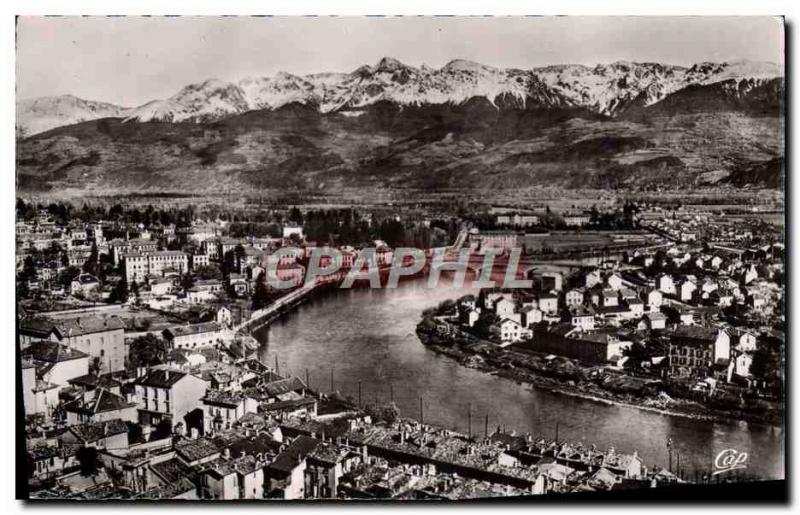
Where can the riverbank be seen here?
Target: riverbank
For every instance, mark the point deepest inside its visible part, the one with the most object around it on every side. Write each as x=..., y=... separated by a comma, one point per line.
x=512, y=365
x=281, y=307
x=303, y=294
x=503, y=363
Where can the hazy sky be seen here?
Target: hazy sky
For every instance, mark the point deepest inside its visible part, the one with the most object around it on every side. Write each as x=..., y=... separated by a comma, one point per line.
x=131, y=60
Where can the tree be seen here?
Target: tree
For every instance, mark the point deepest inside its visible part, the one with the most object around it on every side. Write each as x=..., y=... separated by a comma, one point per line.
x=295, y=215
x=767, y=363
x=162, y=430
x=134, y=433
x=639, y=352
x=210, y=271
x=387, y=413
x=25, y=210
x=446, y=307
x=239, y=252
x=87, y=457
x=67, y=275
x=261, y=296
x=22, y=290
x=228, y=263
x=119, y=294
x=147, y=351
x=187, y=281
x=52, y=253
x=484, y=323
x=594, y=215
x=481, y=300
x=22, y=208
x=392, y=232
x=28, y=271
x=90, y=267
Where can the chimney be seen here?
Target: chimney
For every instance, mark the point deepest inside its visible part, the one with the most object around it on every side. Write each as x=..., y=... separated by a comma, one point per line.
x=226, y=453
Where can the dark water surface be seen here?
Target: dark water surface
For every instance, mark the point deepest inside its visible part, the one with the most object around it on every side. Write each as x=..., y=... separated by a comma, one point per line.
x=368, y=336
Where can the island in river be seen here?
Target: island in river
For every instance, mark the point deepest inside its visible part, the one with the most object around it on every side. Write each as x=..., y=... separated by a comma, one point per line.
x=444, y=335
x=346, y=339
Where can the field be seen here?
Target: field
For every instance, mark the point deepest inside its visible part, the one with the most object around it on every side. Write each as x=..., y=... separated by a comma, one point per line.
x=577, y=241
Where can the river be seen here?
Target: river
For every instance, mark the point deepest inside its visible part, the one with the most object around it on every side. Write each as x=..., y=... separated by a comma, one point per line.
x=368, y=336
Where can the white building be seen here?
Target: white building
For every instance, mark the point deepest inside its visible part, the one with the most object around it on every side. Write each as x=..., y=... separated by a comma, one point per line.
x=165, y=393
x=193, y=336
x=511, y=331
x=141, y=264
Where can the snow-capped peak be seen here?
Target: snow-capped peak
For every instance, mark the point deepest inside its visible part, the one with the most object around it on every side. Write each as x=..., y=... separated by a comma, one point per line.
x=708, y=73
x=389, y=65
x=463, y=65
x=605, y=88
x=208, y=100
x=274, y=92
x=44, y=113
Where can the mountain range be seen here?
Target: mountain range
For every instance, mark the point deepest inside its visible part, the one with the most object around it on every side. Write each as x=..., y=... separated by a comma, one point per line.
x=429, y=126
x=606, y=89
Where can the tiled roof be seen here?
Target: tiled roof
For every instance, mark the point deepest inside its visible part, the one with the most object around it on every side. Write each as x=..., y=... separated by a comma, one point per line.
x=73, y=326
x=172, y=470
x=261, y=444
x=185, y=330
x=697, y=333
x=51, y=352
x=39, y=327
x=44, y=451
x=290, y=404
x=103, y=402
x=328, y=453
x=92, y=380
x=193, y=450
x=87, y=325
x=286, y=461
x=223, y=397
x=282, y=386
x=161, y=378
x=94, y=431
